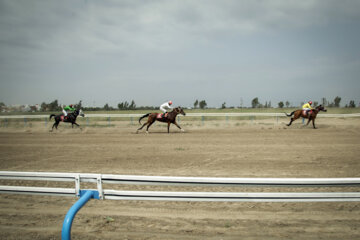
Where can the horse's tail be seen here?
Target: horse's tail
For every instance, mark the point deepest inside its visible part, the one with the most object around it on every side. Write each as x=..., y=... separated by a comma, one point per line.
x=289, y=115
x=52, y=115
x=146, y=115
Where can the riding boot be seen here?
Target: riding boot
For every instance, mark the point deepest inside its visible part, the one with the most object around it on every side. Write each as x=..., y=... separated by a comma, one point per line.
x=308, y=113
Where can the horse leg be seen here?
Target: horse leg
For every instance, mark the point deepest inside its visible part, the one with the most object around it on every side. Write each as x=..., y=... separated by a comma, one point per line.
x=308, y=121
x=313, y=122
x=179, y=126
x=142, y=126
x=137, y=131
x=53, y=127
x=296, y=116
x=169, y=126
x=291, y=120
x=147, y=128
x=76, y=124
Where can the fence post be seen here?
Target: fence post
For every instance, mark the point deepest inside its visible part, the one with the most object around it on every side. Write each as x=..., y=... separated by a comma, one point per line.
x=85, y=196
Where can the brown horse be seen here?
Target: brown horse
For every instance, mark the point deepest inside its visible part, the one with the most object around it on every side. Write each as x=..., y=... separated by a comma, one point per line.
x=311, y=115
x=169, y=118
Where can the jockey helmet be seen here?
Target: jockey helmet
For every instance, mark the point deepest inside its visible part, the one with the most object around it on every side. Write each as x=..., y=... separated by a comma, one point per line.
x=310, y=102
x=170, y=102
x=71, y=105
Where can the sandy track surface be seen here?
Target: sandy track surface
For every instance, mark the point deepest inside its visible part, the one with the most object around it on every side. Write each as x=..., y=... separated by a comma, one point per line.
x=212, y=150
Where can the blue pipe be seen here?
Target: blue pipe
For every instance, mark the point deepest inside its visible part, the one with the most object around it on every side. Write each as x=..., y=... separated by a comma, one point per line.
x=85, y=196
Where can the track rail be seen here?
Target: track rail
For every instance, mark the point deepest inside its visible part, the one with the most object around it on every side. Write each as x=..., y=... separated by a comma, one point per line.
x=99, y=179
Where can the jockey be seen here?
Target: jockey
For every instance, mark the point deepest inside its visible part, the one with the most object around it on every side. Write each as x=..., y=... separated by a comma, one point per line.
x=67, y=108
x=307, y=107
x=164, y=106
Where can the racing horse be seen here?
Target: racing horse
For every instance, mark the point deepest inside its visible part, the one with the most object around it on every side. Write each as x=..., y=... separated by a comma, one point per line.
x=168, y=118
x=310, y=116
x=71, y=118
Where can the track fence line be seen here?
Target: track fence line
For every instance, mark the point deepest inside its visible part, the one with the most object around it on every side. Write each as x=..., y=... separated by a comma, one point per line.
x=108, y=194
x=99, y=179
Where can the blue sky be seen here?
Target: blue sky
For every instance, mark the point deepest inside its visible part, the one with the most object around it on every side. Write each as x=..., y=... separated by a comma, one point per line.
x=153, y=51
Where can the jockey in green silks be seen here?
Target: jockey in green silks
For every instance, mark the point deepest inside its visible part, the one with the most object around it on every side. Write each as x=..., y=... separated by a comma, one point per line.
x=67, y=108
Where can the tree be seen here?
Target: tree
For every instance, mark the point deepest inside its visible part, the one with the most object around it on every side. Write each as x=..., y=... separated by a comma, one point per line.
x=267, y=104
x=43, y=107
x=79, y=105
x=2, y=106
x=202, y=104
x=352, y=104
x=132, y=105
x=324, y=101
x=255, y=102
x=287, y=103
x=223, y=106
x=196, y=103
x=281, y=104
x=337, y=101
x=107, y=107
x=54, y=106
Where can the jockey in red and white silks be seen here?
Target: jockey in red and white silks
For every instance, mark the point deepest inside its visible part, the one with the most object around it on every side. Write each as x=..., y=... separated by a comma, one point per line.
x=166, y=106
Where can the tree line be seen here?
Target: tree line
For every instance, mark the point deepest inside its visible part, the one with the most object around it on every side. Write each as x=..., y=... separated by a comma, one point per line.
x=325, y=102
x=198, y=104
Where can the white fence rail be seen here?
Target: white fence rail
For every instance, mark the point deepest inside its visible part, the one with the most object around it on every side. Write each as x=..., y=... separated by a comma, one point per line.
x=99, y=179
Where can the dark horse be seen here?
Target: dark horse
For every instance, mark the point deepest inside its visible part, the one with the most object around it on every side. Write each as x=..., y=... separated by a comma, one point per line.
x=311, y=115
x=170, y=118
x=71, y=118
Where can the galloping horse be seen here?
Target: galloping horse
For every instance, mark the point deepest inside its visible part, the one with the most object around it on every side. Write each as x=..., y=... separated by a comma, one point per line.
x=311, y=115
x=169, y=118
x=71, y=118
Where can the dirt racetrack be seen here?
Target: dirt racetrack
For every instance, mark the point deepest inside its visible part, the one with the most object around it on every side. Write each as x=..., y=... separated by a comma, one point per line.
x=215, y=149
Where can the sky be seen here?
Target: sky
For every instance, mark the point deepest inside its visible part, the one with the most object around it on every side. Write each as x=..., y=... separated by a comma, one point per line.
x=231, y=51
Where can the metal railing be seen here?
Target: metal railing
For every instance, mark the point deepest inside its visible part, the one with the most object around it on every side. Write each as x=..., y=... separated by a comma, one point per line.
x=86, y=194
x=99, y=179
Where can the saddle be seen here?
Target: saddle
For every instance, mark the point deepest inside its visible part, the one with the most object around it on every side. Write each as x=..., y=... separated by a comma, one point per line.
x=63, y=118
x=160, y=115
x=304, y=113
